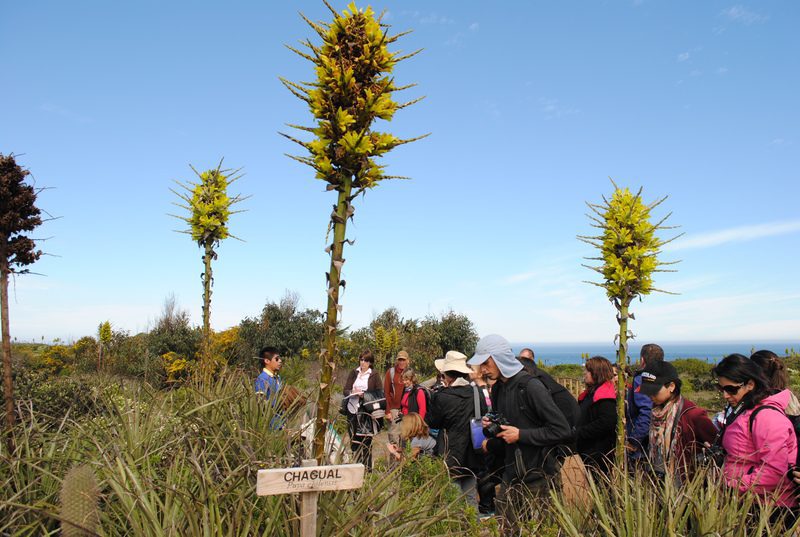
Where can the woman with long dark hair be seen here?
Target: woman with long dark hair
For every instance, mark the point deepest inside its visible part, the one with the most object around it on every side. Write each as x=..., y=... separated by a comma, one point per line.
x=759, y=440
x=777, y=377
x=596, y=429
x=361, y=426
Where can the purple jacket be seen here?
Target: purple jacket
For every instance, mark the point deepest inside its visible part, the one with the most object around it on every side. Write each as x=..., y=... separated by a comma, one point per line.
x=759, y=462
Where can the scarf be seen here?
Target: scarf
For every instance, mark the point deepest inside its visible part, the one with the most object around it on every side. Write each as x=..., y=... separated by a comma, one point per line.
x=663, y=425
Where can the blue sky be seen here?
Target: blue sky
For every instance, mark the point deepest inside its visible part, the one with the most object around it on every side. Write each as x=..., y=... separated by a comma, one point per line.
x=531, y=106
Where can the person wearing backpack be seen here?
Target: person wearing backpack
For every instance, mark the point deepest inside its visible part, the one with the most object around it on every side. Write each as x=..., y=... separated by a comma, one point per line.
x=562, y=397
x=393, y=389
x=759, y=440
x=415, y=398
x=529, y=441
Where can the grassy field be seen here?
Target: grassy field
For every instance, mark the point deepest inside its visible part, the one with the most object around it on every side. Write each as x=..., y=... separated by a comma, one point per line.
x=183, y=461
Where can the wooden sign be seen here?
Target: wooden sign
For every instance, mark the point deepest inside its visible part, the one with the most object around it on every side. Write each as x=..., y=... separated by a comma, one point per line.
x=309, y=479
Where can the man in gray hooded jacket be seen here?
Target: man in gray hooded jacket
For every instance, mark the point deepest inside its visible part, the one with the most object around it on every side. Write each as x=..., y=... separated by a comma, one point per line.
x=529, y=444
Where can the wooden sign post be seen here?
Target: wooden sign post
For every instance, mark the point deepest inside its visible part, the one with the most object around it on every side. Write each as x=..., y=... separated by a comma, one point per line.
x=309, y=480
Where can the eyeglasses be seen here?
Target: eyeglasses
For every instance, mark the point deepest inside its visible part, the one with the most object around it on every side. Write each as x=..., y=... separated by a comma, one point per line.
x=730, y=389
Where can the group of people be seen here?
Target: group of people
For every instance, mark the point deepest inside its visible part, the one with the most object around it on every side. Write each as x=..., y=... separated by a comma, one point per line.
x=504, y=427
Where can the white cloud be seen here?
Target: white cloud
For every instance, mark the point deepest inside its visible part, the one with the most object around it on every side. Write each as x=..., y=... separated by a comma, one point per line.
x=552, y=108
x=683, y=56
x=433, y=18
x=736, y=234
x=743, y=15
x=722, y=70
x=474, y=26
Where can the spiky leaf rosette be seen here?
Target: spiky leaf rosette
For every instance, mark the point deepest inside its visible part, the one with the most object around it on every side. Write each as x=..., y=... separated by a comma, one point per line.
x=629, y=246
x=353, y=88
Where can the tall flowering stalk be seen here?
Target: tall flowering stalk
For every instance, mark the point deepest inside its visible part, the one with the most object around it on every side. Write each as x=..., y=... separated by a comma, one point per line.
x=209, y=208
x=353, y=89
x=629, y=250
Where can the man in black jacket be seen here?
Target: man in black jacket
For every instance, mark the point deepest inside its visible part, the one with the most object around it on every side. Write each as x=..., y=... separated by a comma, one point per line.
x=536, y=426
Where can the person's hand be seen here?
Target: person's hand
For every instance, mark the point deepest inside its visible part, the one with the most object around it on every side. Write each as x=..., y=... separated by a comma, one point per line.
x=483, y=445
x=509, y=433
x=485, y=422
x=796, y=476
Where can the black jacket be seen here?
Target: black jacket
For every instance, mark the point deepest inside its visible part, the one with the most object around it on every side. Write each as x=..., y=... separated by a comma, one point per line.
x=525, y=402
x=451, y=409
x=596, y=431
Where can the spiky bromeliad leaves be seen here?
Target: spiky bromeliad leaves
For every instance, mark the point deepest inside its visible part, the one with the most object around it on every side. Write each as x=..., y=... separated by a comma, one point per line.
x=629, y=249
x=209, y=207
x=353, y=88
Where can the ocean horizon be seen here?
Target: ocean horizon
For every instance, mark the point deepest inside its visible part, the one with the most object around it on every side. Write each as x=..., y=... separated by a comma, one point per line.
x=710, y=351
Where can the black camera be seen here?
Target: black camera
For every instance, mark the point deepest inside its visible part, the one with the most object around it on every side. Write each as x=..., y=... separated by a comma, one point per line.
x=496, y=420
x=711, y=456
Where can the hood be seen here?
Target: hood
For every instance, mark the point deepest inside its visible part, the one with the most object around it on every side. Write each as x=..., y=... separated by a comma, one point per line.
x=780, y=399
x=605, y=391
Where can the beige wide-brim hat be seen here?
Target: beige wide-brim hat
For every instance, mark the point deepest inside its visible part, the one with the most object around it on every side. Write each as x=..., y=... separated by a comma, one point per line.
x=453, y=361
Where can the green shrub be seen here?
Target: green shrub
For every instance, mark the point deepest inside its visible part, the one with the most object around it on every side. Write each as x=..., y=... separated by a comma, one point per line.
x=692, y=367
x=566, y=370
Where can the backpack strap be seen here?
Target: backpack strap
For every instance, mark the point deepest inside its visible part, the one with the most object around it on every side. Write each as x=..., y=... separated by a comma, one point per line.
x=391, y=376
x=759, y=409
x=476, y=400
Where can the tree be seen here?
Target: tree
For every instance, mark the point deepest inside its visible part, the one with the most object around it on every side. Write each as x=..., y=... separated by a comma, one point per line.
x=18, y=215
x=282, y=325
x=353, y=88
x=629, y=250
x=209, y=209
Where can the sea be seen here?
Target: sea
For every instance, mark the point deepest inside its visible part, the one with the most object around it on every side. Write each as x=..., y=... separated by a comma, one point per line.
x=712, y=352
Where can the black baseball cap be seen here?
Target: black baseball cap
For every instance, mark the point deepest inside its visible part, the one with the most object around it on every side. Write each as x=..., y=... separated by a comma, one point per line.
x=657, y=375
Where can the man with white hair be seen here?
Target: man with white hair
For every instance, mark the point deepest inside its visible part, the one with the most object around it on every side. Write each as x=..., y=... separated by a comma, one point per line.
x=536, y=427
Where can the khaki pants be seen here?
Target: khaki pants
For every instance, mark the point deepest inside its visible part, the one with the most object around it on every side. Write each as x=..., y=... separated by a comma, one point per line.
x=394, y=428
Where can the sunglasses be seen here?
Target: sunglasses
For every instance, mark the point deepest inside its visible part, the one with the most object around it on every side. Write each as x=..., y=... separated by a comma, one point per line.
x=730, y=389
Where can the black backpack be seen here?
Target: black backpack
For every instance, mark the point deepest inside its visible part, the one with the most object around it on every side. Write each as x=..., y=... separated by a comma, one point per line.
x=561, y=396
x=794, y=420
x=413, y=406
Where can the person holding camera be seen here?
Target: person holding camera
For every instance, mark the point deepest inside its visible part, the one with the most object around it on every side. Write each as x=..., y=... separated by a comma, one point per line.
x=452, y=407
x=678, y=427
x=526, y=429
x=361, y=426
x=758, y=439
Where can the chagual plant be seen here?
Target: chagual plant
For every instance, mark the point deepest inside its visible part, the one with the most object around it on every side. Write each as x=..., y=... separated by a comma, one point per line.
x=353, y=88
x=18, y=214
x=209, y=207
x=629, y=250
x=104, y=340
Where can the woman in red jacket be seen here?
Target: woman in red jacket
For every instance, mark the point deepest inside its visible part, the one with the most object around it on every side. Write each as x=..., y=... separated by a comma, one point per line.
x=678, y=427
x=414, y=397
x=595, y=432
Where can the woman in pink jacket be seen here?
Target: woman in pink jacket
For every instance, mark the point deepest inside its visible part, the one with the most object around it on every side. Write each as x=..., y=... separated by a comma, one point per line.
x=759, y=440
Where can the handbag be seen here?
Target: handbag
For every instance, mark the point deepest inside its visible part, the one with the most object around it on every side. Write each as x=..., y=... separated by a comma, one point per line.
x=475, y=424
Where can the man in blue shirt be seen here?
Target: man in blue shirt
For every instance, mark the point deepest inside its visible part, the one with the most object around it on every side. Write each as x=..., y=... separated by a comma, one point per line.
x=639, y=406
x=269, y=382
